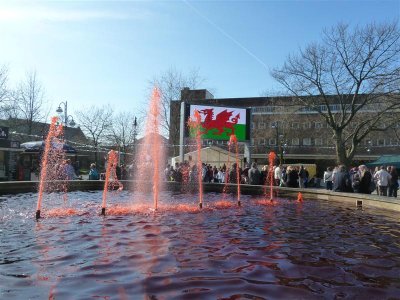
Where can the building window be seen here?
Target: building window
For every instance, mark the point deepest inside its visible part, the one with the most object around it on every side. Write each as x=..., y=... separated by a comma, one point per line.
x=252, y=142
x=295, y=141
x=307, y=125
x=253, y=125
x=318, y=125
x=295, y=125
x=380, y=142
x=306, y=141
x=318, y=142
x=261, y=141
x=272, y=142
x=261, y=125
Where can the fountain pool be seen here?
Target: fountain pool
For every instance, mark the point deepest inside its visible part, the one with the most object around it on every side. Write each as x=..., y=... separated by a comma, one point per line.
x=261, y=250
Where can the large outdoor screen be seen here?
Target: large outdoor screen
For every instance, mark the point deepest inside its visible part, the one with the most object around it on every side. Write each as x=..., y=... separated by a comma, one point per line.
x=219, y=123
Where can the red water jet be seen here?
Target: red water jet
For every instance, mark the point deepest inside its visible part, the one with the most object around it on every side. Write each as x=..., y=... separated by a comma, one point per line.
x=195, y=124
x=150, y=157
x=299, y=197
x=111, y=179
x=54, y=131
x=233, y=140
x=270, y=176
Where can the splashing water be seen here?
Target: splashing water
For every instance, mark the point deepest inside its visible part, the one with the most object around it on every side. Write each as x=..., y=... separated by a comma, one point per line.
x=151, y=152
x=195, y=125
x=52, y=155
x=270, y=177
x=111, y=180
x=233, y=141
x=299, y=197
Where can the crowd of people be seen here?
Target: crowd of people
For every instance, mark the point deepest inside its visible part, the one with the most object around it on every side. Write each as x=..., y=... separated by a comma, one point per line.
x=281, y=176
x=358, y=180
x=383, y=180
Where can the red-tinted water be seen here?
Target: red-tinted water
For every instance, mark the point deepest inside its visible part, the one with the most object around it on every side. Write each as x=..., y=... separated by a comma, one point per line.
x=309, y=250
x=53, y=156
x=151, y=155
x=195, y=125
x=300, y=197
x=111, y=181
x=233, y=141
x=270, y=177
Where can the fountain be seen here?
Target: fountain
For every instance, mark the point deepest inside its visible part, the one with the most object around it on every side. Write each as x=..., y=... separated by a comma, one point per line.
x=290, y=249
x=195, y=125
x=51, y=155
x=233, y=141
x=269, y=184
x=111, y=181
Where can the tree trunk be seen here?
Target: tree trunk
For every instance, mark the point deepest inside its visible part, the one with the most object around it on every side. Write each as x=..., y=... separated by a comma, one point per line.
x=341, y=152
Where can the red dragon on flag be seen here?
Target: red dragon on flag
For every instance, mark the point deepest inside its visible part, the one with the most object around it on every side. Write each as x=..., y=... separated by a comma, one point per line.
x=222, y=122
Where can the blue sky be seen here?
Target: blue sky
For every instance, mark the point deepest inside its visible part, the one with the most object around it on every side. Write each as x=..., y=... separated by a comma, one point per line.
x=99, y=52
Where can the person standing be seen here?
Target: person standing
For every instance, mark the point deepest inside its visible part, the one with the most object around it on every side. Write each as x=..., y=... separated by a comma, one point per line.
x=69, y=170
x=254, y=174
x=393, y=183
x=341, y=180
x=302, y=177
x=93, y=173
x=328, y=176
x=383, y=178
x=292, y=177
x=365, y=180
x=278, y=175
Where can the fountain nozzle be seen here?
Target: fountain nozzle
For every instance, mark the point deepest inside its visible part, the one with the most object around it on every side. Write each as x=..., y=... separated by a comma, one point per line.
x=200, y=205
x=103, y=211
x=239, y=203
x=38, y=214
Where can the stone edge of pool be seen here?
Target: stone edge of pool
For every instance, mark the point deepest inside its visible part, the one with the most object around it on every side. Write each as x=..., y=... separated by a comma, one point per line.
x=16, y=187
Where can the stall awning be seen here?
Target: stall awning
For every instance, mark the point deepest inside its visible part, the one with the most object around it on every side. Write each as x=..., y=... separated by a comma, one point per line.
x=386, y=160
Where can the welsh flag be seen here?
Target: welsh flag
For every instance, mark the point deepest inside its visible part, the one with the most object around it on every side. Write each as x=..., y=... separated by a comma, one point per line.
x=219, y=123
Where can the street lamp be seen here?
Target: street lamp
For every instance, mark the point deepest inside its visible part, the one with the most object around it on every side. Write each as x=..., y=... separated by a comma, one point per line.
x=66, y=116
x=134, y=137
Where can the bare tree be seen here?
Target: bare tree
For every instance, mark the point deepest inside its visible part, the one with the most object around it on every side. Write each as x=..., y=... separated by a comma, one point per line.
x=170, y=83
x=124, y=131
x=29, y=101
x=351, y=79
x=3, y=90
x=96, y=123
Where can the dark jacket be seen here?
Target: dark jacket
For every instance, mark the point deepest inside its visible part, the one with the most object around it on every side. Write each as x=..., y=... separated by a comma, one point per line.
x=365, y=183
x=342, y=182
x=292, y=177
x=254, y=176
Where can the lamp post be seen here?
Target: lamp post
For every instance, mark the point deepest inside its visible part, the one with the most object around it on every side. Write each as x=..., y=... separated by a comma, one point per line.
x=134, y=138
x=66, y=116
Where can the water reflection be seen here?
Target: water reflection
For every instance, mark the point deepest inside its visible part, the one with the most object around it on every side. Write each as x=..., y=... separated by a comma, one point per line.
x=285, y=249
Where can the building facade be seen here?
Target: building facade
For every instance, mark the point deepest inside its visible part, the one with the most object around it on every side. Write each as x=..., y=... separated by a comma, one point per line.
x=294, y=132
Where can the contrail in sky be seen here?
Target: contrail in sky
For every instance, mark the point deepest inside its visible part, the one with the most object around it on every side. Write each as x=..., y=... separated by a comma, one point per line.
x=226, y=34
